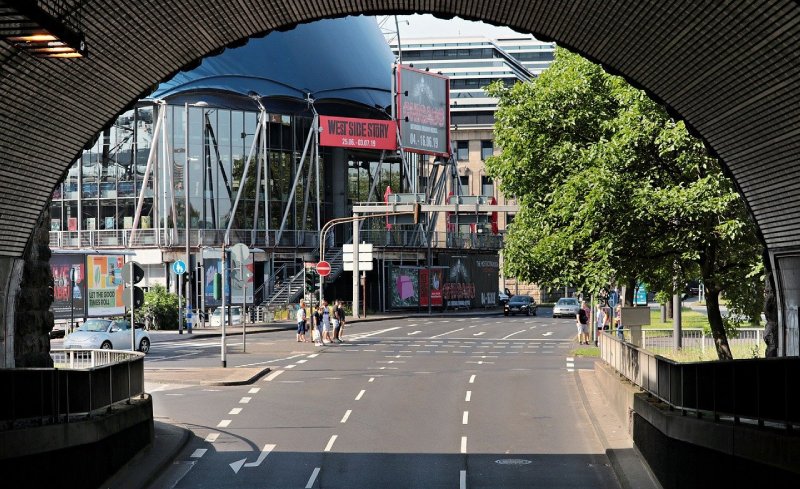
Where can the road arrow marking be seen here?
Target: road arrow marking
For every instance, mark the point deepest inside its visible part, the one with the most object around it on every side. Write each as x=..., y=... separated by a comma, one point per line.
x=547, y=334
x=236, y=466
x=479, y=334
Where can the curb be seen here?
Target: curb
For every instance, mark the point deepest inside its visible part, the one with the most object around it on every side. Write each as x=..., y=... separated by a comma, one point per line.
x=249, y=381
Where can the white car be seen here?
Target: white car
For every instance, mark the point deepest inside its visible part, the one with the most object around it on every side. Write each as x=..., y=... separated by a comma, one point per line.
x=107, y=334
x=215, y=320
x=566, y=308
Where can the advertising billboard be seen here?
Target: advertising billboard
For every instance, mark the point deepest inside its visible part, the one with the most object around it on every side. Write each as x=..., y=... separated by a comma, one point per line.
x=431, y=283
x=104, y=285
x=67, y=292
x=423, y=111
x=470, y=280
x=403, y=287
x=346, y=132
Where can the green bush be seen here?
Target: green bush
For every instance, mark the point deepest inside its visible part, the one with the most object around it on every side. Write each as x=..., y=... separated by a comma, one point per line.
x=161, y=306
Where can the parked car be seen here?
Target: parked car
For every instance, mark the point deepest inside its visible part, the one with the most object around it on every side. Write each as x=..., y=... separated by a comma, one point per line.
x=107, y=334
x=566, y=307
x=522, y=304
x=502, y=298
x=216, y=317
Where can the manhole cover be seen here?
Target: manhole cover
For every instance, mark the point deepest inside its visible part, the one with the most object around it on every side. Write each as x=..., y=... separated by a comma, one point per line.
x=512, y=461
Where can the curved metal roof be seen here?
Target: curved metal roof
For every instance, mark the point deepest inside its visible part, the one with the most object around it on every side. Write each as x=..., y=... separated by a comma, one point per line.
x=344, y=59
x=730, y=69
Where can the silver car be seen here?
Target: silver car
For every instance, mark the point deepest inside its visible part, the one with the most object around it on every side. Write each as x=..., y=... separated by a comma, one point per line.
x=107, y=334
x=567, y=308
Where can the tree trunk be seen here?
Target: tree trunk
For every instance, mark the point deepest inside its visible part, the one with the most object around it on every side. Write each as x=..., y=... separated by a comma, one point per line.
x=630, y=288
x=717, y=326
x=669, y=310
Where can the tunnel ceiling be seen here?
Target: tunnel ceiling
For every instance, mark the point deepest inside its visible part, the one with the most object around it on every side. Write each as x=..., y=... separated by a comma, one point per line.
x=729, y=68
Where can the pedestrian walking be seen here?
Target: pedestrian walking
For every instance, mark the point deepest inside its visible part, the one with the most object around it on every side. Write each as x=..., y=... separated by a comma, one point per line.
x=582, y=322
x=602, y=321
x=317, y=326
x=338, y=321
x=326, y=323
x=301, y=322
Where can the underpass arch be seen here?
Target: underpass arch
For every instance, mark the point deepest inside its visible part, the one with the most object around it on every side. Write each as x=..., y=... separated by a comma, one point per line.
x=730, y=71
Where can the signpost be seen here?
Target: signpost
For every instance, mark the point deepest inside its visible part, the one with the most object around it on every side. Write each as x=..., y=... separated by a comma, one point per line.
x=132, y=274
x=240, y=253
x=179, y=268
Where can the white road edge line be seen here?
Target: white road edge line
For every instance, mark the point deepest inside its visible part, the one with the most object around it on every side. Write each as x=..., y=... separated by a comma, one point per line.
x=468, y=396
x=443, y=334
x=360, y=395
x=346, y=415
x=271, y=376
x=330, y=443
x=313, y=478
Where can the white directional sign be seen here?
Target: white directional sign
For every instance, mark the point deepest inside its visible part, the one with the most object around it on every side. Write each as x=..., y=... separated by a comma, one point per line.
x=179, y=267
x=364, y=257
x=237, y=466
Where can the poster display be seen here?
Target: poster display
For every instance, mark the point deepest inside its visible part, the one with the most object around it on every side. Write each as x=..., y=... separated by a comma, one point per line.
x=470, y=280
x=104, y=285
x=347, y=132
x=430, y=285
x=241, y=282
x=403, y=287
x=423, y=111
x=211, y=266
x=65, y=291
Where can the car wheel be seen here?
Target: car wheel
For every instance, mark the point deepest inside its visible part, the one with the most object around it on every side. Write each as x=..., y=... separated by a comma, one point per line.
x=534, y=311
x=527, y=312
x=144, y=345
x=106, y=345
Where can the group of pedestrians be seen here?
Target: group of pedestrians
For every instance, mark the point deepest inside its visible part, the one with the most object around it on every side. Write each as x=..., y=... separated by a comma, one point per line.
x=326, y=323
x=602, y=321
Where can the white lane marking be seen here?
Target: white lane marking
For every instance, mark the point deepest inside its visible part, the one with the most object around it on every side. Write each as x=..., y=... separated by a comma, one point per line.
x=463, y=444
x=472, y=379
x=360, y=395
x=479, y=334
x=570, y=359
x=468, y=396
x=462, y=480
x=236, y=466
x=313, y=355
x=161, y=359
x=465, y=418
x=224, y=423
x=302, y=361
x=512, y=334
x=271, y=376
x=313, y=478
x=330, y=443
x=359, y=337
x=289, y=366
x=346, y=415
x=198, y=453
x=570, y=365
x=212, y=437
x=444, y=334
x=481, y=362
x=254, y=390
x=371, y=379
x=245, y=400
x=270, y=361
x=235, y=411
x=549, y=333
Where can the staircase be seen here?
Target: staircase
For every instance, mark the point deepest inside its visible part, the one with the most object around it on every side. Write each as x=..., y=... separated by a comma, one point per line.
x=288, y=291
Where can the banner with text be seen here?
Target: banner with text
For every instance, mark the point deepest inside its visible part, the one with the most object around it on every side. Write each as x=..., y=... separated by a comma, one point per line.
x=423, y=111
x=104, y=284
x=346, y=132
x=470, y=280
x=69, y=288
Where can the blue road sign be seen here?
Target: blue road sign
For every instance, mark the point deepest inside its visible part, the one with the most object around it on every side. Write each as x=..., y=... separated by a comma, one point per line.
x=179, y=267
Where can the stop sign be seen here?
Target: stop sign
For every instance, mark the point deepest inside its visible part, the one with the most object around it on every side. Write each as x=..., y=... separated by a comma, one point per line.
x=323, y=268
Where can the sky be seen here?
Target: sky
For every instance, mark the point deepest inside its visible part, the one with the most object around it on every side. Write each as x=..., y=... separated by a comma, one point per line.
x=429, y=26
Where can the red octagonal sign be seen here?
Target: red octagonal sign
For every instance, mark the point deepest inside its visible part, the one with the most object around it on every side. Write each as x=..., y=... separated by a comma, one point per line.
x=323, y=268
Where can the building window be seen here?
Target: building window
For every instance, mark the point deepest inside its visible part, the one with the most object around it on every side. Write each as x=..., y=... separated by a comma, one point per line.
x=487, y=149
x=462, y=150
x=487, y=185
x=464, y=184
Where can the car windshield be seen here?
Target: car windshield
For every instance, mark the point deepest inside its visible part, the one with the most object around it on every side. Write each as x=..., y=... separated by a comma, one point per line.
x=567, y=302
x=520, y=298
x=95, y=325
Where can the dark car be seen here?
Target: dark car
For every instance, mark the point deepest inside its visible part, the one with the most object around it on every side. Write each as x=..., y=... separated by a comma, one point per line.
x=522, y=304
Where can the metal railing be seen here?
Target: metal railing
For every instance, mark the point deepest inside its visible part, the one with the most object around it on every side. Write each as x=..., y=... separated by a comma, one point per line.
x=761, y=390
x=659, y=339
x=96, y=380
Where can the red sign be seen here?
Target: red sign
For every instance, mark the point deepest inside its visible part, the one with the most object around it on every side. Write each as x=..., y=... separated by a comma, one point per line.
x=323, y=268
x=346, y=132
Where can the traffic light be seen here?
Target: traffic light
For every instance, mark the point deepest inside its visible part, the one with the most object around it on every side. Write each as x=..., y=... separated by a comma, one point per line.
x=217, y=286
x=312, y=281
x=133, y=296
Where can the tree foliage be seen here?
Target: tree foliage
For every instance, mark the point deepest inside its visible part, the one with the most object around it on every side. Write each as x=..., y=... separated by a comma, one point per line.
x=612, y=189
x=161, y=306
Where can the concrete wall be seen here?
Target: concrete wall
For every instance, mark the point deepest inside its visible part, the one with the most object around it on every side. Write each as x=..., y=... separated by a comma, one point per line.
x=684, y=451
x=80, y=454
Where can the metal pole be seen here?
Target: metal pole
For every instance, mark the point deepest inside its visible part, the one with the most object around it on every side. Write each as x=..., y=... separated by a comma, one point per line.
x=222, y=318
x=133, y=325
x=356, y=288
x=677, y=334
x=244, y=305
x=186, y=198
x=180, y=305
x=71, y=299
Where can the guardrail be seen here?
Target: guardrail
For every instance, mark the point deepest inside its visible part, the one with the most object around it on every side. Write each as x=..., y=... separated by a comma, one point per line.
x=83, y=382
x=761, y=390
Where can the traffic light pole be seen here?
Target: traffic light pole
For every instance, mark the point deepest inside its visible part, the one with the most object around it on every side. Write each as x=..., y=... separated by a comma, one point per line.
x=223, y=317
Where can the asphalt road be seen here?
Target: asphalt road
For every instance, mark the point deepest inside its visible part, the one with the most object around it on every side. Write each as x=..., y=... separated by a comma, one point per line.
x=470, y=402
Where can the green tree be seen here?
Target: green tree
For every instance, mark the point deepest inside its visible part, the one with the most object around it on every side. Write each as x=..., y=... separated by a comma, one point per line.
x=612, y=188
x=162, y=306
